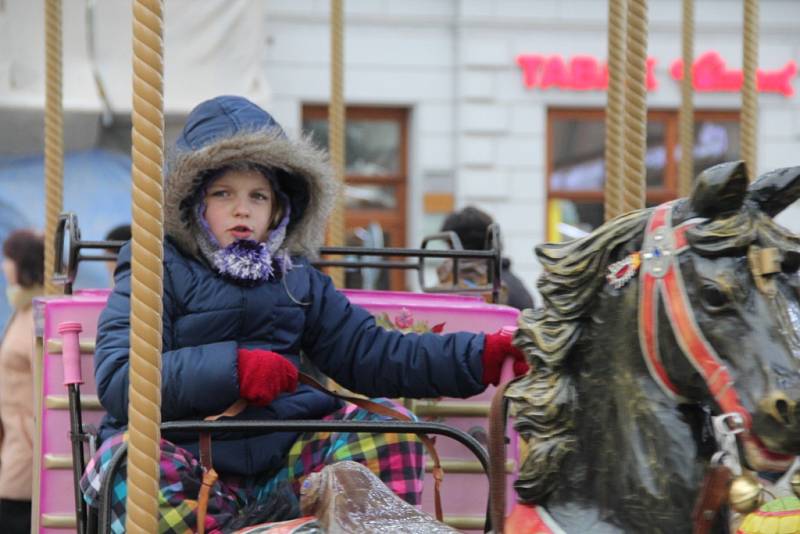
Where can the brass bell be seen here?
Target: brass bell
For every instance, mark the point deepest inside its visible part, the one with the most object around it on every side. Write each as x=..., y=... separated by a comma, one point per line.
x=746, y=493
x=795, y=482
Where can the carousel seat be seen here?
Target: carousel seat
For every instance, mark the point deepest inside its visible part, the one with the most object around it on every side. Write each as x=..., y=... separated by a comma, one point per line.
x=465, y=489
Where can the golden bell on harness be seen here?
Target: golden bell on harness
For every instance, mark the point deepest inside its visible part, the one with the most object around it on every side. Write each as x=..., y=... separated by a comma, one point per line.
x=746, y=493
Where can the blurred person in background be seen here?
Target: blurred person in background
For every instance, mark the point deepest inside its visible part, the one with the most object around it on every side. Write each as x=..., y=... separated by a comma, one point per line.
x=471, y=224
x=118, y=233
x=23, y=266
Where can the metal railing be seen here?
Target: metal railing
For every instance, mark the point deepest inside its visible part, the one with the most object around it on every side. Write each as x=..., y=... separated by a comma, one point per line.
x=71, y=250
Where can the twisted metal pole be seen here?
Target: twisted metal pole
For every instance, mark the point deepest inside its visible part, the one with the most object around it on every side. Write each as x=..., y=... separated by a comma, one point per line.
x=336, y=132
x=686, y=122
x=144, y=413
x=749, y=118
x=53, y=137
x=615, y=108
x=633, y=193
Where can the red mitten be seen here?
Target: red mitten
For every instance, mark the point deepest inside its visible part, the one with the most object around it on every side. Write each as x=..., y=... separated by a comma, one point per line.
x=496, y=348
x=263, y=375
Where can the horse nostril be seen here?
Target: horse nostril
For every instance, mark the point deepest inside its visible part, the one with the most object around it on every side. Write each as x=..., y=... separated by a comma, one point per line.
x=782, y=407
x=779, y=407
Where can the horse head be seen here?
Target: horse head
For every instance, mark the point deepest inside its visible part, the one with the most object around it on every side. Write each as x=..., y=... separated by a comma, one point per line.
x=741, y=280
x=651, y=324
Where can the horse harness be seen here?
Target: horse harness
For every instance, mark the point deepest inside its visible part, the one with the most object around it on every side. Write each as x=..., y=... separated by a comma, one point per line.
x=661, y=280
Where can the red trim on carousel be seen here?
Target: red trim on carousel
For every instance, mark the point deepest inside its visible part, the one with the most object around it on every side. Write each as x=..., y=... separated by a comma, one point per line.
x=530, y=519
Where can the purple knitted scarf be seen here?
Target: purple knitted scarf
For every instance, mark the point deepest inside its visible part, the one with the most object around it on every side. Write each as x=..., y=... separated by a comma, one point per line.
x=246, y=260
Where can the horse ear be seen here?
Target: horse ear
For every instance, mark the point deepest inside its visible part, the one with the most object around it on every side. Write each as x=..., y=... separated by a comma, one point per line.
x=775, y=190
x=719, y=189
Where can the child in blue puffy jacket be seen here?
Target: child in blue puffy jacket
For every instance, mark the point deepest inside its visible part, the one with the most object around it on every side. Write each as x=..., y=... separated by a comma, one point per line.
x=244, y=207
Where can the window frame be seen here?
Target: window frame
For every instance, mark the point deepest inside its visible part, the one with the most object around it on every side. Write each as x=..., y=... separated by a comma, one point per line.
x=653, y=195
x=393, y=221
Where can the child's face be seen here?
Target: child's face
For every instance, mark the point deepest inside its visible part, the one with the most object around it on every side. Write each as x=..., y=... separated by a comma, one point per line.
x=239, y=206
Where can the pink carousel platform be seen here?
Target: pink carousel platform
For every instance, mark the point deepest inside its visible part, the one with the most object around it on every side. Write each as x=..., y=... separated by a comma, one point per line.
x=465, y=487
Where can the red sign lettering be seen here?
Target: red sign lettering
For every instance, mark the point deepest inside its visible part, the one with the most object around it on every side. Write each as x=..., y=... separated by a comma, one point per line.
x=580, y=73
x=587, y=73
x=554, y=74
x=709, y=73
x=650, y=80
x=530, y=65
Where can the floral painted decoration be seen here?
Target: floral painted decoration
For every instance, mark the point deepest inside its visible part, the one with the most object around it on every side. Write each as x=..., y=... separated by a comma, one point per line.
x=404, y=322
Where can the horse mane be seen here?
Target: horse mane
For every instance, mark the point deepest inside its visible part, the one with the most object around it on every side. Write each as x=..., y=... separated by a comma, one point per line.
x=732, y=235
x=543, y=402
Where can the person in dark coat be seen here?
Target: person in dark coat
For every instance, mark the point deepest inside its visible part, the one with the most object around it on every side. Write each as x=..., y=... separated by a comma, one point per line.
x=244, y=208
x=120, y=232
x=470, y=225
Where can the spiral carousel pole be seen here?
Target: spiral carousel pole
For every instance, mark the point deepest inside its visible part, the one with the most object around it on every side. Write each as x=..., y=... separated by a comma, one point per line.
x=336, y=133
x=144, y=413
x=749, y=118
x=686, y=123
x=53, y=136
x=615, y=108
x=633, y=193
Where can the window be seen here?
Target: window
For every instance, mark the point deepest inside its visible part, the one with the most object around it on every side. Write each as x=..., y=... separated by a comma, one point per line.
x=576, y=166
x=376, y=177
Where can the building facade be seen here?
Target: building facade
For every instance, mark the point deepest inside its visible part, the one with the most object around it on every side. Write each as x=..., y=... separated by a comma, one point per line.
x=493, y=103
x=500, y=103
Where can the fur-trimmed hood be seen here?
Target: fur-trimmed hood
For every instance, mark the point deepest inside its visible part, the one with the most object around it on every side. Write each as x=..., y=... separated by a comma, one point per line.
x=230, y=129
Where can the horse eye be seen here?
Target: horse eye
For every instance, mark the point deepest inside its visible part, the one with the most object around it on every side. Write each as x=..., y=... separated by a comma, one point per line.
x=713, y=296
x=791, y=262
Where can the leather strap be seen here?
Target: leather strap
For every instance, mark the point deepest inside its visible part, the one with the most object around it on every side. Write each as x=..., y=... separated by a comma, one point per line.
x=712, y=496
x=380, y=409
x=209, y=474
x=231, y=411
x=209, y=477
x=205, y=451
x=661, y=275
x=497, y=457
x=205, y=437
x=236, y=408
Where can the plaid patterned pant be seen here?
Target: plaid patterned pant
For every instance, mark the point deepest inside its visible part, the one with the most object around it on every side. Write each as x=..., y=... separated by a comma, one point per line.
x=397, y=459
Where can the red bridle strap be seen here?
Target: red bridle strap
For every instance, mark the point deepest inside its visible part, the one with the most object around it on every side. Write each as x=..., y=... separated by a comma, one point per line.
x=661, y=279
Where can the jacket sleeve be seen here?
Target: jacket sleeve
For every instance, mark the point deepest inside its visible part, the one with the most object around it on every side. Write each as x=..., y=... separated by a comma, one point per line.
x=187, y=374
x=343, y=340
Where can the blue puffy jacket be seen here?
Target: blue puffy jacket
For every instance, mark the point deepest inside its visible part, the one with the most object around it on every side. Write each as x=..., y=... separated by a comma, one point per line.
x=206, y=319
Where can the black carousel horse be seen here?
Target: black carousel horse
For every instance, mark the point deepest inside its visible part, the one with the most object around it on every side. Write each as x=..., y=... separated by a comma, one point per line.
x=653, y=323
